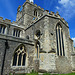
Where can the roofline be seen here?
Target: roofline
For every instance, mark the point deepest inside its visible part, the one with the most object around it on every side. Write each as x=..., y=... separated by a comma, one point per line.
x=47, y=16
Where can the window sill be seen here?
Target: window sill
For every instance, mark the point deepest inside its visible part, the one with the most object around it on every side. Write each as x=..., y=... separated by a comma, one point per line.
x=18, y=67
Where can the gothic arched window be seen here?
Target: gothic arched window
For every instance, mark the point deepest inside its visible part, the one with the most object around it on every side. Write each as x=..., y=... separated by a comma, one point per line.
x=19, y=56
x=37, y=48
x=60, y=41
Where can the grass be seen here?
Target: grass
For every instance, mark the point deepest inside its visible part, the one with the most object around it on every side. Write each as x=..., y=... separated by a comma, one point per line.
x=67, y=74
x=35, y=73
x=46, y=74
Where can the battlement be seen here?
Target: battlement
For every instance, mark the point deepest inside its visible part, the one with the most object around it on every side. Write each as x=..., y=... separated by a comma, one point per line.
x=27, y=1
x=6, y=20
x=44, y=12
x=19, y=8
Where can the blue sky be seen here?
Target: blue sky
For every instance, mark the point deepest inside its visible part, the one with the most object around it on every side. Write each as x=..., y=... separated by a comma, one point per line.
x=66, y=8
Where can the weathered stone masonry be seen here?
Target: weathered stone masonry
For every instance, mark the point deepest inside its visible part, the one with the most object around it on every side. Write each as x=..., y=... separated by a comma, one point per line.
x=42, y=36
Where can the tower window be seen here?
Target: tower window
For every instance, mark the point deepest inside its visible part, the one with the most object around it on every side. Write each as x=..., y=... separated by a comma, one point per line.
x=2, y=29
x=35, y=13
x=60, y=41
x=19, y=57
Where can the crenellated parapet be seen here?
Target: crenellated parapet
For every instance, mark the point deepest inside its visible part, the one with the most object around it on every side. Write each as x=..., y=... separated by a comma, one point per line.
x=27, y=14
x=27, y=1
x=5, y=21
x=1, y=18
x=55, y=15
x=18, y=9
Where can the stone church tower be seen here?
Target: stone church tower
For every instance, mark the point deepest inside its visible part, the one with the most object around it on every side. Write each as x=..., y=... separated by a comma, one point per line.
x=38, y=40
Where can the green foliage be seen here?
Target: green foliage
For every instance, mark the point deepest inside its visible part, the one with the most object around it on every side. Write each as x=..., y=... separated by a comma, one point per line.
x=17, y=74
x=20, y=74
x=67, y=74
x=46, y=74
x=32, y=73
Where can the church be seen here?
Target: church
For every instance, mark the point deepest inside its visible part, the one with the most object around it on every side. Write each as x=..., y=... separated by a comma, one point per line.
x=38, y=40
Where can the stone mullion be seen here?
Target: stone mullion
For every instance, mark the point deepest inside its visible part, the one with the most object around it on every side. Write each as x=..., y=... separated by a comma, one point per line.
x=57, y=41
x=22, y=60
x=5, y=30
x=38, y=51
x=2, y=29
x=63, y=44
x=17, y=60
x=60, y=43
x=17, y=33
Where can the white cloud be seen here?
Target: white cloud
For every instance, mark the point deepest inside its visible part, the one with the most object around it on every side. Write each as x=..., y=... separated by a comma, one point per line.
x=73, y=41
x=72, y=3
x=66, y=8
x=31, y=0
x=57, y=7
x=63, y=1
x=66, y=3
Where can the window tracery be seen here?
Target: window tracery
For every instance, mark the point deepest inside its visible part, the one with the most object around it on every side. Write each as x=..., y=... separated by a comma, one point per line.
x=19, y=56
x=60, y=41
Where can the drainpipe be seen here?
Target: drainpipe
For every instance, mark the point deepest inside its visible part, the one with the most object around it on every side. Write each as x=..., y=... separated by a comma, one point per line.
x=6, y=47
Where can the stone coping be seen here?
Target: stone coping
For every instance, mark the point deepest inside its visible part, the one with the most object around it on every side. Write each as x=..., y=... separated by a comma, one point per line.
x=47, y=16
x=16, y=39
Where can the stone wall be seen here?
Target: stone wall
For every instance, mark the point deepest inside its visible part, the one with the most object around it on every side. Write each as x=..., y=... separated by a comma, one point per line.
x=25, y=17
x=13, y=43
x=63, y=65
x=2, y=48
x=73, y=62
x=47, y=60
x=47, y=26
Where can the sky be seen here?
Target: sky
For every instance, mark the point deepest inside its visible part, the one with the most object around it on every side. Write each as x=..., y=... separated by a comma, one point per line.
x=66, y=9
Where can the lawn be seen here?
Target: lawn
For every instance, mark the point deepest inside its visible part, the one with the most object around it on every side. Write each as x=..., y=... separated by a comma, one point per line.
x=44, y=74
